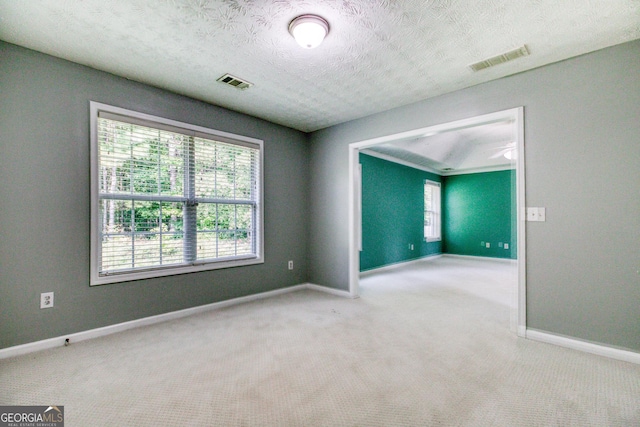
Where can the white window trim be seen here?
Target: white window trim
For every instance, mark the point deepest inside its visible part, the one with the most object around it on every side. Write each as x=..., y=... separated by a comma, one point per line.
x=97, y=279
x=438, y=217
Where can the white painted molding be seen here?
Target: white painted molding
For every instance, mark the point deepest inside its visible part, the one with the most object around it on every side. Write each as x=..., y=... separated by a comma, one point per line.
x=354, y=186
x=532, y=334
x=478, y=170
x=399, y=264
x=482, y=258
x=145, y=321
x=587, y=347
x=332, y=291
x=355, y=219
x=521, y=235
x=392, y=159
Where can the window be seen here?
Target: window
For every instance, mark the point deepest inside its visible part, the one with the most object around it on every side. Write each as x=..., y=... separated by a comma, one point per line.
x=432, y=209
x=170, y=198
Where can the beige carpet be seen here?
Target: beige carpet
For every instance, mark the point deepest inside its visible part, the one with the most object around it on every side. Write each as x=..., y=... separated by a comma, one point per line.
x=425, y=345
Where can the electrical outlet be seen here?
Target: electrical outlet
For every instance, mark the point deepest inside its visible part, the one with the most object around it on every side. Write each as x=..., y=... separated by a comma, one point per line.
x=290, y=265
x=411, y=246
x=506, y=246
x=488, y=245
x=46, y=300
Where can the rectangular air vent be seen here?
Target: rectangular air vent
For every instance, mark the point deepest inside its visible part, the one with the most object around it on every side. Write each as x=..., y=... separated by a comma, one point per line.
x=500, y=59
x=235, y=82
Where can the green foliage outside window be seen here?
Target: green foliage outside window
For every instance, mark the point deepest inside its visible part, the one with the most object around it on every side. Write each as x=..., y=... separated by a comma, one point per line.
x=146, y=177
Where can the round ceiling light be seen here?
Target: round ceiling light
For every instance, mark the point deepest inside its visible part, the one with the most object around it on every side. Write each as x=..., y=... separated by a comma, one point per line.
x=309, y=30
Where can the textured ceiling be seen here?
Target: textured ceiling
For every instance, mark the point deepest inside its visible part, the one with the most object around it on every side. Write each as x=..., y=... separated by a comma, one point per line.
x=476, y=148
x=378, y=55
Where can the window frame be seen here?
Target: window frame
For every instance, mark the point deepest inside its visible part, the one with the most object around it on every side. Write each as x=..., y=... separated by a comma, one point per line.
x=437, y=213
x=96, y=278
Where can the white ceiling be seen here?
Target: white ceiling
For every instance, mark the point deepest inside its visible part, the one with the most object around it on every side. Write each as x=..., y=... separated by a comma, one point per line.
x=378, y=55
x=472, y=149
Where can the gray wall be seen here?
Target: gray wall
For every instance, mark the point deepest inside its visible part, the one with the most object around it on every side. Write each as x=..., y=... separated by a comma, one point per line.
x=582, y=162
x=582, y=137
x=45, y=197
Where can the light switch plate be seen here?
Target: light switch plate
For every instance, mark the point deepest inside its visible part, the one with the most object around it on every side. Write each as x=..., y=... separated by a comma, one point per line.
x=536, y=214
x=542, y=214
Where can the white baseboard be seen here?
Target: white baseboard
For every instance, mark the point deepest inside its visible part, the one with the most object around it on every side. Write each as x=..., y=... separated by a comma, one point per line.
x=399, y=264
x=145, y=321
x=332, y=291
x=587, y=347
x=481, y=258
x=601, y=350
x=521, y=331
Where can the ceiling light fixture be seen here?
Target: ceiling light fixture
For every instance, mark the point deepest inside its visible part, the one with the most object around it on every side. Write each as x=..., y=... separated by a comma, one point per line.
x=309, y=30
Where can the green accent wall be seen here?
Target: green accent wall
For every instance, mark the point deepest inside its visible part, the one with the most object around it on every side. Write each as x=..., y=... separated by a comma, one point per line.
x=479, y=208
x=393, y=213
x=580, y=125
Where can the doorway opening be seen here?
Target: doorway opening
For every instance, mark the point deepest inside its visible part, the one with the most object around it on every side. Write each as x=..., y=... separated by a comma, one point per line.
x=402, y=143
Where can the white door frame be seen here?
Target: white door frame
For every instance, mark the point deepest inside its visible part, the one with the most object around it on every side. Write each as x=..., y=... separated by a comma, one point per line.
x=518, y=319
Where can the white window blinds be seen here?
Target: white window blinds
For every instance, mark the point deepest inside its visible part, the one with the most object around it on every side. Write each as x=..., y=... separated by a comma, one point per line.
x=170, y=197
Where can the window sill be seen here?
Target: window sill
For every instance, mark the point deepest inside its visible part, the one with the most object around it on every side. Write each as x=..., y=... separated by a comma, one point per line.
x=105, y=279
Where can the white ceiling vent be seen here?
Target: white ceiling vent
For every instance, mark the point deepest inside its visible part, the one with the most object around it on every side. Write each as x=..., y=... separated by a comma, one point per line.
x=500, y=59
x=235, y=82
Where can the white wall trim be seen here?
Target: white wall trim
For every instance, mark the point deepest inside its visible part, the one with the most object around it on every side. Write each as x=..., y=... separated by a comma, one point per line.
x=469, y=171
x=332, y=291
x=587, y=347
x=399, y=264
x=433, y=257
x=95, y=278
x=145, y=321
x=478, y=170
x=355, y=219
x=485, y=258
x=400, y=161
x=518, y=318
x=532, y=334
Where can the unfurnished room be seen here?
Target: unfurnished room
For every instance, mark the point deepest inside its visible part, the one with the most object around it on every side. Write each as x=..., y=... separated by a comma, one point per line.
x=319, y=213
